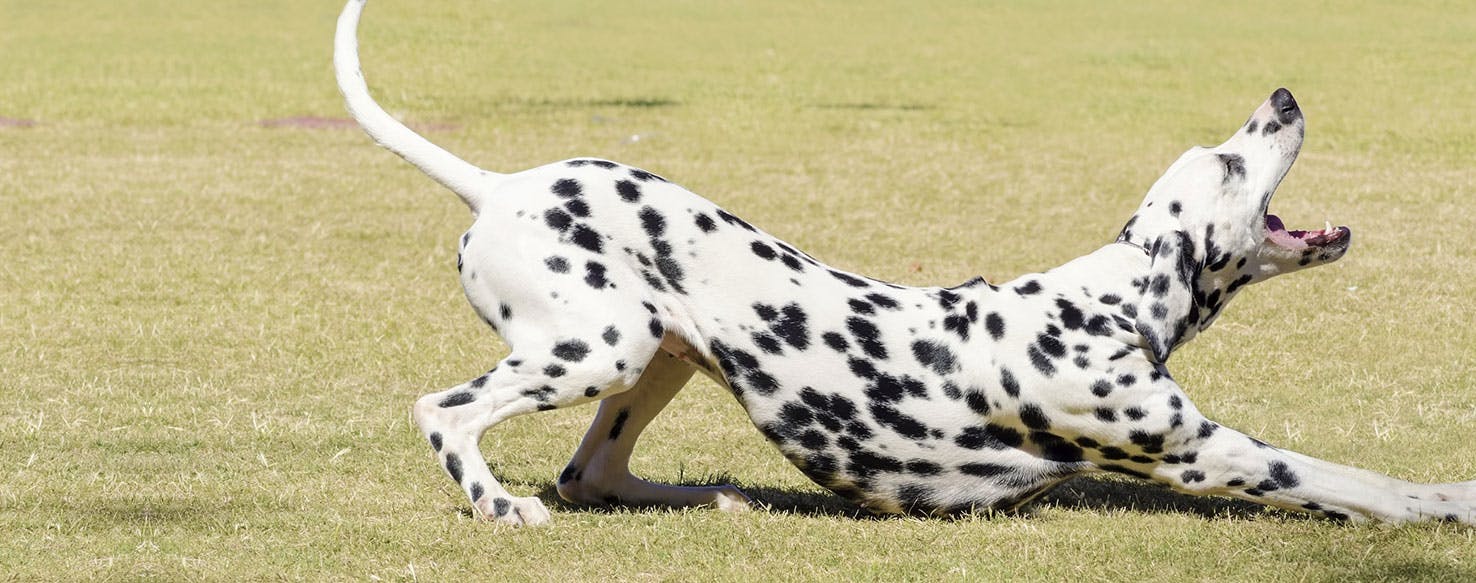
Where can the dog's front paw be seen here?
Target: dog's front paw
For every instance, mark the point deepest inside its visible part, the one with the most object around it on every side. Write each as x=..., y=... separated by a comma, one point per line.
x=528, y=511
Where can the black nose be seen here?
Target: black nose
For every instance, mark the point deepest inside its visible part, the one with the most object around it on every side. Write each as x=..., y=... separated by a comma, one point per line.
x=1285, y=106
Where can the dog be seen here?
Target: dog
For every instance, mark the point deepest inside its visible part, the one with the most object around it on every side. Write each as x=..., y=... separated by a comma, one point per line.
x=612, y=284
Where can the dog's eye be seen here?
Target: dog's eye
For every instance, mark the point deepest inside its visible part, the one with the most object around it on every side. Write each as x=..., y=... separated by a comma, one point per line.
x=1234, y=165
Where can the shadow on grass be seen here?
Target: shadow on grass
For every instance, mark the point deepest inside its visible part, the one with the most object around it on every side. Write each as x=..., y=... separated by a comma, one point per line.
x=1106, y=495
x=1119, y=495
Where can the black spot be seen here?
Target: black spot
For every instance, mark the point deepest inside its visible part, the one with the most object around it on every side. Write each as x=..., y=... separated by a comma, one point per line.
x=1206, y=429
x=935, y=356
x=1105, y=414
x=553, y=371
x=577, y=207
x=611, y=336
x=628, y=191
x=865, y=464
x=594, y=275
x=1101, y=388
x=983, y=470
x=1135, y=413
x=923, y=468
x=569, y=474
x=849, y=279
x=730, y=219
x=705, y=223
x=1149, y=442
x=958, y=324
x=767, y=343
x=1051, y=345
x=453, y=467
x=867, y=336
x=1031, y=287
x=762, y=250
x=1271, y=127
x=587, y=238
x=1251, y=128
x=619, y=424
x=899, y=422
x=652, y=221
x=813, y=439
x=977, y=402
x=557, y=219
x=1055, y=448
x=500, y=506
x=1283, y=475
x=571, y=350
x=977, y=438
x=1071, y=316
x=557, y=264
x=861, y=307
x=1006, y=435
x=567, y=188
x=657, y=330
x=792, y=326
x=1041, y=362
x=1033, y=417
x=1008, y=383
x=457, y=399
x=644, y=176
x=476, y=491
x=835, y=341
x=435, y=441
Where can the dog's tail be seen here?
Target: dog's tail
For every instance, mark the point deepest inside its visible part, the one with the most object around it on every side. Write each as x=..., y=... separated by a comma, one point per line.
x=466, y=180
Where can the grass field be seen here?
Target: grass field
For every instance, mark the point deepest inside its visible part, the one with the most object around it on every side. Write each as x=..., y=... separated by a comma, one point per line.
x=212, y=324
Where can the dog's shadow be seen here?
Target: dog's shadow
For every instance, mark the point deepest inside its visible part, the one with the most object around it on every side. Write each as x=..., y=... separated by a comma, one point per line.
x=1106, y=495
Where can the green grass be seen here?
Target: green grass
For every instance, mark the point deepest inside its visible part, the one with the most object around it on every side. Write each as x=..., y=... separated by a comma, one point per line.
x=211, y=331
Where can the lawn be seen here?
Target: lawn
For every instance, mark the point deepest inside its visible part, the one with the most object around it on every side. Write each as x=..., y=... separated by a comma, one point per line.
x=218, y=300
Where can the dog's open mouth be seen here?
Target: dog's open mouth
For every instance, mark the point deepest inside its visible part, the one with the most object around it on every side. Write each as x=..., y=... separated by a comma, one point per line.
x=1276, y=233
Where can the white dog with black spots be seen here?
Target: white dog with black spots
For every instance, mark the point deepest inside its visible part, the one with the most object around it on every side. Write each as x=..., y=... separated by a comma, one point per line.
x=612, y=284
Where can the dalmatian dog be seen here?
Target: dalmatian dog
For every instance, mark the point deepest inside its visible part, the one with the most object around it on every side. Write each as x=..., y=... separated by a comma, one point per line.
x=612, y=284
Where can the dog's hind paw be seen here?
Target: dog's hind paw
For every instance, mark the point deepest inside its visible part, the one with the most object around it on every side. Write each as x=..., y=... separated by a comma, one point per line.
x=729, y=498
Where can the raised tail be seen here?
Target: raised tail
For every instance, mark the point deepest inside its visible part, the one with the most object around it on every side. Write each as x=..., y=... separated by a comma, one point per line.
x=466, y=180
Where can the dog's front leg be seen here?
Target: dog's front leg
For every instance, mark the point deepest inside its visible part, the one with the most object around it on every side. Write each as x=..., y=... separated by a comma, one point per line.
x=1151, y=430
x=1217, y=460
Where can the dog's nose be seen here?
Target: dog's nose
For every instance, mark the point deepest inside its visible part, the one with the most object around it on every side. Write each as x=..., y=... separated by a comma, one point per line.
x=1285, y=106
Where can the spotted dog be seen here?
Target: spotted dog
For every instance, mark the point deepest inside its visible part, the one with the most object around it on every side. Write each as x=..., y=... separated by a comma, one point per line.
x=612, y=284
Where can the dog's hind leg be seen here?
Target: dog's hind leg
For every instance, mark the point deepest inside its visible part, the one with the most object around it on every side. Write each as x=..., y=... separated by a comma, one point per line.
x=599, y=472
x=555, y=369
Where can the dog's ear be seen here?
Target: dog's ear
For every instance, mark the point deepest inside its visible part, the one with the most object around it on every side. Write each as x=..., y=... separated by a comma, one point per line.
x=1169, y=306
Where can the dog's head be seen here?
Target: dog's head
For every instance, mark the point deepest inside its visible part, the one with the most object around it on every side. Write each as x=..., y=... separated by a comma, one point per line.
x=1205, y=227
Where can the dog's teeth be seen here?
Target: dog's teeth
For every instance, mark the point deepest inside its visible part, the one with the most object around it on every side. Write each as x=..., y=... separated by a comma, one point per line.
x=1327, y=226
